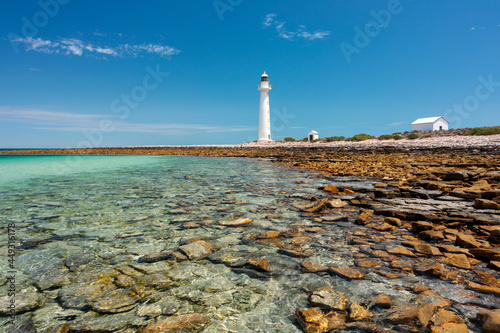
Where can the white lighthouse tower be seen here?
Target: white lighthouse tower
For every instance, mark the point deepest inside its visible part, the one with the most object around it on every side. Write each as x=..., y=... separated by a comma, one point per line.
x=264, y=113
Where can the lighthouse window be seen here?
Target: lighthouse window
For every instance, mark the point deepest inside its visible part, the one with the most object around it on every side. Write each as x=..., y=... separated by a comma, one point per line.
x=264, y=79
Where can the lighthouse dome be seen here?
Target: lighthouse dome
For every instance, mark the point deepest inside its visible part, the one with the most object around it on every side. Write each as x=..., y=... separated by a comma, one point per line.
x=264, y=77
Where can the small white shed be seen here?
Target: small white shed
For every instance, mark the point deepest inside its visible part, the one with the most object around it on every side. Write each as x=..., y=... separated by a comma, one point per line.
x=430, y=124
x=313, y=135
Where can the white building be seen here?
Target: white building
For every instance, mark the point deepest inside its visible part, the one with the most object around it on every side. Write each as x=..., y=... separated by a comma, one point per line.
x=430, y=124
x=264, y=113
x=313, y=135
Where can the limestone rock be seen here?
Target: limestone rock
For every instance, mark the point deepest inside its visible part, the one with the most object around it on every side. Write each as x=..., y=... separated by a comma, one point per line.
x=260, y=263
x=427, y=249
x=432, y=236
x=401, y=250
x=450, y=328
x=487, y=254
x=330, y=298
x=490, y=320
x=176, y=324
x=331, y=189
x=314, y=321
x=364, y=217
x=410, y=315
x=457, y=260
x=197, y=250
x=270, y=234
x=444, y=316
x=466, y=241
x=486, y=204
x=393, y=221
x=420, y=226
x=484, y=289
x=336, y=203
x=495, y=236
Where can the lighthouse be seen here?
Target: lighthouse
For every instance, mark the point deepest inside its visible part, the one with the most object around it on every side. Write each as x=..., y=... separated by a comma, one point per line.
x=264, y=113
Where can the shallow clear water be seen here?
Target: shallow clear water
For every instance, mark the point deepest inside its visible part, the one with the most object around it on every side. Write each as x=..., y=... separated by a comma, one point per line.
x=86, y=220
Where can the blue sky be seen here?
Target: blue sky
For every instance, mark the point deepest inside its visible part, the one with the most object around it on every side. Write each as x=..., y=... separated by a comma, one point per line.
x=77, y=73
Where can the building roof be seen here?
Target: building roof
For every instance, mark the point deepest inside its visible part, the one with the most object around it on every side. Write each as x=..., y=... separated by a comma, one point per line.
x=313, y=132
x=429, y=120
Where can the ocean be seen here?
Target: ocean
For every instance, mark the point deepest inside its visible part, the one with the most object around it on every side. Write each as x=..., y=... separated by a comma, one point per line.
x=105, y=243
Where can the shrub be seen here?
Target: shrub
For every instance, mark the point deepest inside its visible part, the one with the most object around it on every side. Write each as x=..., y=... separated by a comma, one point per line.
x=413, y=136
x=334, y=138
x=484, y=131
x=385, y=137
x=397, y=137
x=361, y=137
x=396, y=133
x=288, y=139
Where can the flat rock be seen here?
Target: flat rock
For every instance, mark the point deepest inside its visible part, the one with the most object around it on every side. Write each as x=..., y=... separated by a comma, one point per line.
x=457, y=260
x=393, y=221
x=330, y=298
x=490, y=320
x=401, y=250
x=236, y=223
x=382, y=300
x=313, y=267
x=467, y=241
x=411, y=315
x=24, y=302
x=313, y=320
x=194, y=322
x=364, y=217
x=92, y=322
x=427, y=249
x=450, y=328
x=487, y=254
x=348, y=273
x=73, y=262
x=358, y=312
x=229, y=258
x=259, y=263
x=484, y=289
x=197, y=250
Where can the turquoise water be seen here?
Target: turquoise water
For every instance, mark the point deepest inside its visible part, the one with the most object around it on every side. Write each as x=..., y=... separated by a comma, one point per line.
x=83, y=223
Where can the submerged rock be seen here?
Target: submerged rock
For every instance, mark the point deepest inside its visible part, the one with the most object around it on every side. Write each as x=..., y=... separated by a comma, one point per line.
x=235, y=223
x=328, y=297
x=313, y=320
x=197, y=250
x=185, y=323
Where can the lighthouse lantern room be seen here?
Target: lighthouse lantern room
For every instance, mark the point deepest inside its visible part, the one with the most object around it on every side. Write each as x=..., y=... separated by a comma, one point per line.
x=264, y=113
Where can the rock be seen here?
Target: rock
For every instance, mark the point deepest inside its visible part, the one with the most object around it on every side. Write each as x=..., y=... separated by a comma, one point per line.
x=190, y=225
x=25, y=301
x=379, y=185
x=328, y=297
x=487, y=279
x=358, y=312
x=453, y=249
x=75, y=261
x=313, y=207
x=410, y=315
x=155, y=257
x=235, y=223
x=296, y=254
x=495, y=236
x=331, y=189
x=401, y=250
x=432, y=268
x=313, y=320
x=364, y=217
x=382, y=300
x=149, y=310
x=275, y=242
x=495, y=265
x=490, y=320
x=272, y=217
x=300, y=240
x=92, y=322
x=487, y=254
x=432, y=236
x=270, y=234
x=401, y=264
x=484, y=289
x=115, y=301
x=467, y=241
x=393, y=221
x=348, y=273
x=367, y=263
x=450, y=328
x=420, y=226
x=197, y=250
x=260, y=263
x=336, y=203
x=444, y=316
x=194, y=322
x=385, y=227
x=313, y=267
x=457, y=260
x=427, y=249
x=485, y=204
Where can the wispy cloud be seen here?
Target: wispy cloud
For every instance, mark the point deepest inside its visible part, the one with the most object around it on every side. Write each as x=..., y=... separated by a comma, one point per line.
x=397, y=124
x=477, y=28
x=301, y=32
x=73, y=46
x=74, y=122
x=34, y=69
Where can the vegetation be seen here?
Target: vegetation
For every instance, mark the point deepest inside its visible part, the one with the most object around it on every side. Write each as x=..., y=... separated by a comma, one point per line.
x=289, y=139
x=397, y=137
x=335, y=138
x=361, y=137
x=484, y=131
x=413, y=136
x=385, y=137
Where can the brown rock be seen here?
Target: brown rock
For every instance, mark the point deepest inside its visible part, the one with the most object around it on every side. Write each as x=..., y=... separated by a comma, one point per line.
x=260, y=263
x=486, y=254
x=393, y=221
x=272, y=217
x=336, y=203
x=432, y=236
x=328, y=297
x=331, y=189
x=419, y=288
x=410, y=315
x=382, y=300
x=313, y=267
x=348, y=191
x=358, y=312
x=450, y=328
x=385, y=227
x=430, y=268
x=401, y=250
x=495, y=236
x=490, y=320
x=467, y=241
x=270, y=234
x=275, y=242
x=317, y=206
x=437, y=300
x=379, y=185
x=364, y=217
x=313, y=320
x=367, y=263
x=197, y=250
x=348, y=273
x=190, y=225
x=300, y=240
x=485, y=204
x=457, y=260
x=495, y=265
x=484, y=289
x=427, y=249
x=420, y=226
x=185, y=323
x=444, y=316
x=401, y=264
x=487, y=279
x=453, y=249
x=235, y=223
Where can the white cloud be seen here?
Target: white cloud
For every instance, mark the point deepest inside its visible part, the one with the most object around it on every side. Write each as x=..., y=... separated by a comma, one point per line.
x=301, y=32
x=397, y=124
x=477, y=28
x=34, y=69
x=73, y=46
x=74, y=122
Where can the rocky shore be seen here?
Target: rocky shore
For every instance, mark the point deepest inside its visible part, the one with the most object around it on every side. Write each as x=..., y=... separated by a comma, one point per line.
x=432, y=211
